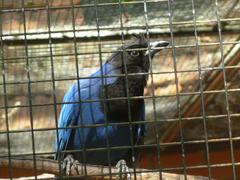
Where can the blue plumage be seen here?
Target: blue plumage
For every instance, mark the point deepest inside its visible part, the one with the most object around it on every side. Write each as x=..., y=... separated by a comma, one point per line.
x=74, y=113
x=91, y=113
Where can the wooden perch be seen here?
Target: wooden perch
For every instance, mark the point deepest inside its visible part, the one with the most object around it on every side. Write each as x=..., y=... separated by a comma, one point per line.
x=25, y=167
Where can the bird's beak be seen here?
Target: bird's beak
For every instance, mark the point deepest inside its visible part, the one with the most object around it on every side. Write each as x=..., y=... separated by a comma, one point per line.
x=155, y=47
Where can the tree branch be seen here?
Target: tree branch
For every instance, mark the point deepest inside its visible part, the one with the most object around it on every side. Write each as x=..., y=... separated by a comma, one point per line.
x=25, y=167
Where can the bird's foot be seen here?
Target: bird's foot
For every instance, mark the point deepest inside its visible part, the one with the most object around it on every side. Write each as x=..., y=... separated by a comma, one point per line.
x=68, y=163
x=123, y=170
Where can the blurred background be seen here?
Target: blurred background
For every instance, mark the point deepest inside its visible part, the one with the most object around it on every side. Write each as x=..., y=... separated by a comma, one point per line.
x=193, y=93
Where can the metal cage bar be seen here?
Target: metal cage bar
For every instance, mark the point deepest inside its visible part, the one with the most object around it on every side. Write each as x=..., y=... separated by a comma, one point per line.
x=201, y=91
x=29, y=91
x=177, y=89
x=225, y=90
x=5, y=101
x=78, y=83
x=153, y=93
x=106, y=124
x=52, y=76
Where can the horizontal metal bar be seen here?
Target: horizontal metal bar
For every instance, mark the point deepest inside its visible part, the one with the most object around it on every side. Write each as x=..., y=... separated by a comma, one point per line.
x=121, y=75
x=202, y=166
x=14, y=59
x=134, y=97
x=127, y=147
x=214, y=92
x=209, y=117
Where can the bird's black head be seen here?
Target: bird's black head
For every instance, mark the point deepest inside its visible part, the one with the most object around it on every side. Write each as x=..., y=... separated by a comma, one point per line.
x=137, y=53
x=132, y=62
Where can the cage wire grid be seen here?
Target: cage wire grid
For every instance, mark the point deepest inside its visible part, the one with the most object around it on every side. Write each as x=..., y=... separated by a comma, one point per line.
x=48, y=44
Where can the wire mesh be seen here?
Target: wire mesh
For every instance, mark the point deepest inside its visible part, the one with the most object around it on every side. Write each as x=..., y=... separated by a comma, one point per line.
x=191, y=97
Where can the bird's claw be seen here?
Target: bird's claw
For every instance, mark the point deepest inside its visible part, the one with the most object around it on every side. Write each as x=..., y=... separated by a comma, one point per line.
x=68, y=163
x=123, y=170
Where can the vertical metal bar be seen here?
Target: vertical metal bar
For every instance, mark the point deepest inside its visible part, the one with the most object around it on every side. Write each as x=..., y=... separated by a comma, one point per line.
x=38, y=26
x=78, y=83
x=177, y=89
x=201, y=89
x=53, y=79
x=5, y=95
x=127, y=91
x=29, y=88
x=57, y=16
x=29, y=20
x=11, y=18
x=217, y=11
x=102, y=81
x=152, y=90
x=200, y=76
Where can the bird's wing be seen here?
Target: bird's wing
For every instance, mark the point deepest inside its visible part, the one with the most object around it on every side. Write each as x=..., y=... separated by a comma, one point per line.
x=89, y=90
x=70, y=112
x=67, y=119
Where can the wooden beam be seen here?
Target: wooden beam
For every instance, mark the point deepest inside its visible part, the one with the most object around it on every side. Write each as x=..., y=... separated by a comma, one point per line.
x=66, y=39
x=170, y=163
x=196, y=107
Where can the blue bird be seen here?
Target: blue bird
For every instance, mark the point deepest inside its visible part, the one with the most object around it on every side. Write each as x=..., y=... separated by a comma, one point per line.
x=90, y=116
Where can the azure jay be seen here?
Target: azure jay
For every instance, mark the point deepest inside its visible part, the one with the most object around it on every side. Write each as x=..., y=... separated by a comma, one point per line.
x=97, y=111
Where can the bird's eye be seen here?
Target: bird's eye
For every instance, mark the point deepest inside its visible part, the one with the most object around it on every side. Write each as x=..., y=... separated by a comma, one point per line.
x=134, y=53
